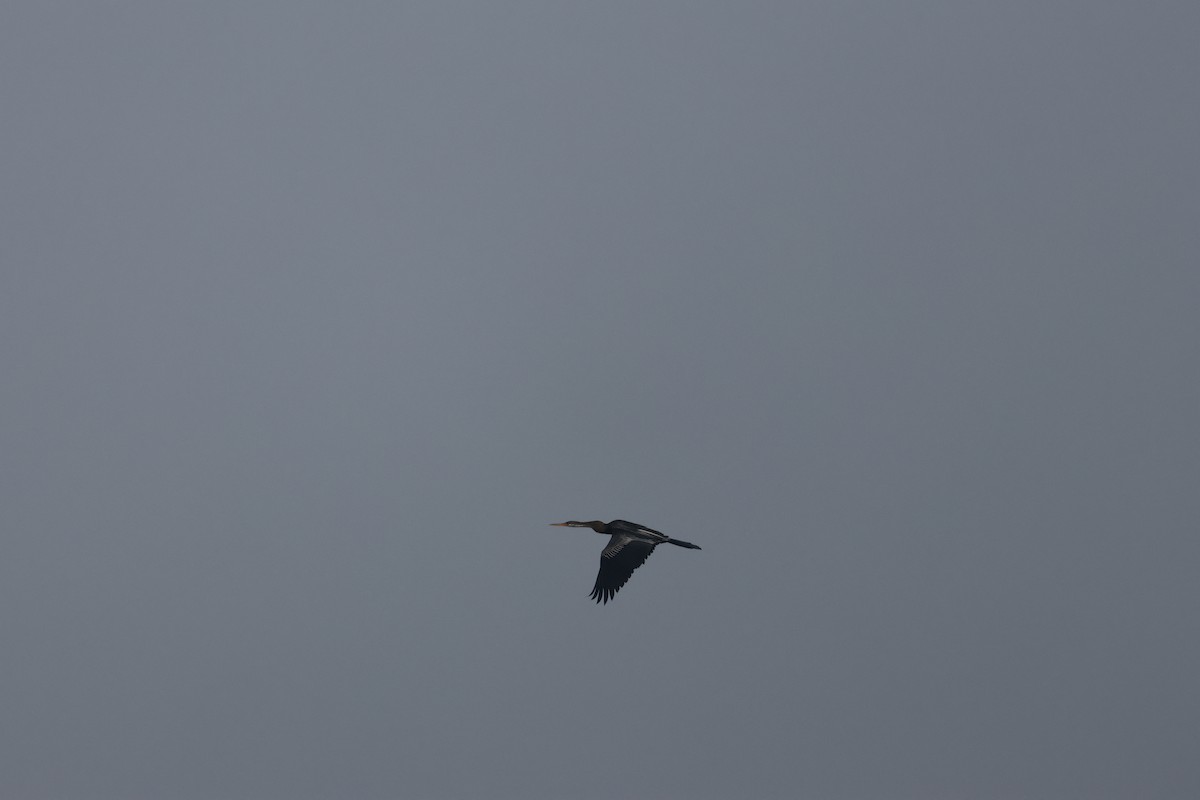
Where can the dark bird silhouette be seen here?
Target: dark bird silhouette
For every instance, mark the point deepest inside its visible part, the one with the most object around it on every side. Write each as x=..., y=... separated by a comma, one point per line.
x=629, y=545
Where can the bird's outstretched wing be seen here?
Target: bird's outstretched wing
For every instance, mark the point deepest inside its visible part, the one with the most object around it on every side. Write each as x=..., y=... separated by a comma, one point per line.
x=620, y=558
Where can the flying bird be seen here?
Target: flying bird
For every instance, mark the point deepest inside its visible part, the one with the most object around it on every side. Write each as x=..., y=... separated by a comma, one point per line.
x=629, y=545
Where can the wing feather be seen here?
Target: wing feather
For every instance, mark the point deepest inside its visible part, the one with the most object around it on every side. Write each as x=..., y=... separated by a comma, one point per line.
x=620, y=558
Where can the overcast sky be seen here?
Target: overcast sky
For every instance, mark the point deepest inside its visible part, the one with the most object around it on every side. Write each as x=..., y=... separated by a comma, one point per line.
x=313, y=315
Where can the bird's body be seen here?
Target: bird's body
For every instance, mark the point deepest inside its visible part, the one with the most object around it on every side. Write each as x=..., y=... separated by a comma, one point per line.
x=629, y=545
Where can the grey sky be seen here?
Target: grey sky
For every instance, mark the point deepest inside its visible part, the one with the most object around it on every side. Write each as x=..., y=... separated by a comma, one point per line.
x=313, y=315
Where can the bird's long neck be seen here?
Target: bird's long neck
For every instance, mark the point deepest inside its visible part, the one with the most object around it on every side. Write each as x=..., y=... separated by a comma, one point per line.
x=598, y=526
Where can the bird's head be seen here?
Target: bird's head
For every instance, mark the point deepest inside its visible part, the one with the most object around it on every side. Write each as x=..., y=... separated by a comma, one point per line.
x=595, y=525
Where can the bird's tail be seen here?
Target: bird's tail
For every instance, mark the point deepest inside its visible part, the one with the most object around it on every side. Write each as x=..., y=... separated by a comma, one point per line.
x=682, y=543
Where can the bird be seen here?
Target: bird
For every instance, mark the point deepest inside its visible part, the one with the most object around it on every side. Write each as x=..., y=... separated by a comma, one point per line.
x=629, y=545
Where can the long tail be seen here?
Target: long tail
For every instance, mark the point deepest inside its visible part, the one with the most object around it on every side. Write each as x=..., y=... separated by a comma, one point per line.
x=682, y=543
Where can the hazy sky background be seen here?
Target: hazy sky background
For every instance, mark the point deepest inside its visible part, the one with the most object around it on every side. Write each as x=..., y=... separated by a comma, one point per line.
x=313, y=315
